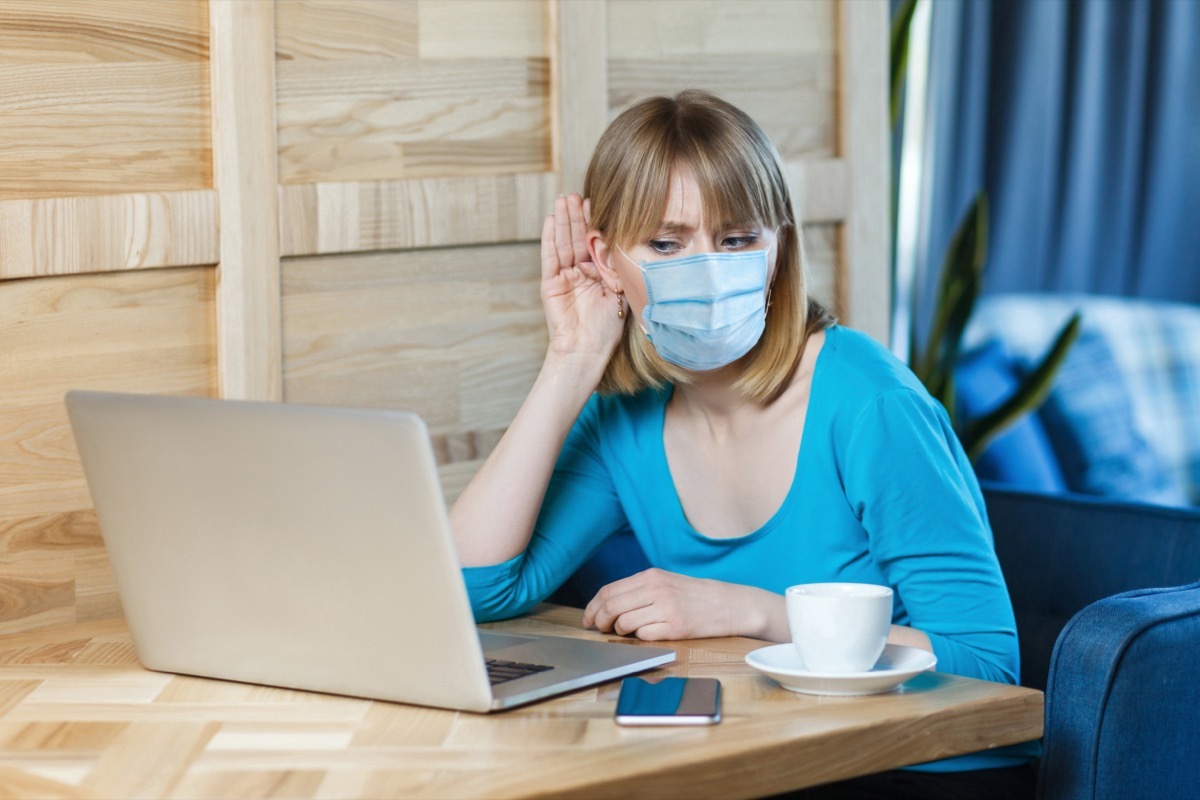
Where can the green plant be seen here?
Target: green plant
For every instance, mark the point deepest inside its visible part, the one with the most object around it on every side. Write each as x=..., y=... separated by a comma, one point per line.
x=959, y=284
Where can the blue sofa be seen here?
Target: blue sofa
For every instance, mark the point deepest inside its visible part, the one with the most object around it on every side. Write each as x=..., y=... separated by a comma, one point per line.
x=1107, y=602
x=1122, y=419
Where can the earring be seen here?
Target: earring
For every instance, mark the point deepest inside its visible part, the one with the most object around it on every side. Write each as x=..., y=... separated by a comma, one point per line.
x=620, y=307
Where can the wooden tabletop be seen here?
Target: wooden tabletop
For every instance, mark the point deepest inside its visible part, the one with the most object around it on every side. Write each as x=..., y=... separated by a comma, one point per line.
x=79, y=717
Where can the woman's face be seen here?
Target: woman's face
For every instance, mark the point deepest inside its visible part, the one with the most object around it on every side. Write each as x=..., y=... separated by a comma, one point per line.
x=682, y=233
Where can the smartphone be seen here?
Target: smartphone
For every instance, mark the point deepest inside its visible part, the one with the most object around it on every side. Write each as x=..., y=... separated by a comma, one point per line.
x=671, y=701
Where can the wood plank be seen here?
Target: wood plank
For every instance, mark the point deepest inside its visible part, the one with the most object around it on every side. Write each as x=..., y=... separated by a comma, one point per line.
x=87, y=32
x=157, y=337
x=865, y=146
x=245, y=173
x=61, y=236
x=821, y=273
x=346, y=138
x=103, y=128
x=483, y=28
x=455, y=334
x=718, y=28
x=793, y=97
x=392, y=119
x=579, y=95
x=331, y=30
x=430, y=212
x=774, y=60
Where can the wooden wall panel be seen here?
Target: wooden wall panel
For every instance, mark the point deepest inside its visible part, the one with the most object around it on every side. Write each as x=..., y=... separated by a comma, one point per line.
x=456, y=335
x=383, y=215
x=145, y=331
x=69, y=235
x=243, y=125
x=103, y=98
x=464, y=90
x=775, y=60
x=822, y=244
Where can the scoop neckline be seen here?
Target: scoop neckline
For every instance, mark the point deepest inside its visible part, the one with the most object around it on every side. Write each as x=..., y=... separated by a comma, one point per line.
x=775, y=519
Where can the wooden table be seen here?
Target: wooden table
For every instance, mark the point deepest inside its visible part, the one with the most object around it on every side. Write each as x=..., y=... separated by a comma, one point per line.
x=81, y=718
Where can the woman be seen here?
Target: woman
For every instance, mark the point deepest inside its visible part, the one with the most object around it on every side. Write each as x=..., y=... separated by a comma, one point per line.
x=693, y=393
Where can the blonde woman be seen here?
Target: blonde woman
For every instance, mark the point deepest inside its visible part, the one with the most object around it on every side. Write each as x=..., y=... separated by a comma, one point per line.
x=693, y=393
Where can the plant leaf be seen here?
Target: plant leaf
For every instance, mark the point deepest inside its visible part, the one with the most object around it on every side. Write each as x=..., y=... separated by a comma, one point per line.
x=978, y=433
x=901, y=24
x=958, y=287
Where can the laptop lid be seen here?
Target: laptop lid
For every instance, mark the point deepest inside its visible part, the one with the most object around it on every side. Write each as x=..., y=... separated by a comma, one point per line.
x=291, y=545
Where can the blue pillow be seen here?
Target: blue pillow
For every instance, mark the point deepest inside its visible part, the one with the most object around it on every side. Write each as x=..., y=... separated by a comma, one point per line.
x=1020, y=456
x=1088, y=416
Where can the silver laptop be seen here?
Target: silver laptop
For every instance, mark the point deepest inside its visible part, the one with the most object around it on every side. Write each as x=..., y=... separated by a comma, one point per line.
x=305, y=547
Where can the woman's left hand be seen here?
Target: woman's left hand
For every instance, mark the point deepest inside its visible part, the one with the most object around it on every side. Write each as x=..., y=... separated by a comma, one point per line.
x=656, y=605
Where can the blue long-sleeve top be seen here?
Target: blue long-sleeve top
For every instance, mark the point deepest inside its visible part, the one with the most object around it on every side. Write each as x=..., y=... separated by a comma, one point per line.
x=883, y=493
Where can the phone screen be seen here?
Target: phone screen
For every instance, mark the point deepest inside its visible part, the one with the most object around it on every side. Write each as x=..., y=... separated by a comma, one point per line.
x=671, y=701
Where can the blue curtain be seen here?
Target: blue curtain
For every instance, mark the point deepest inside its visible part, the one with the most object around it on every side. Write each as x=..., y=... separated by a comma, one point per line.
x=1080, y=119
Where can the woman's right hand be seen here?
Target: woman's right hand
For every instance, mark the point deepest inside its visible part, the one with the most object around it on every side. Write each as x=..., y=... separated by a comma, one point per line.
x=581, y=313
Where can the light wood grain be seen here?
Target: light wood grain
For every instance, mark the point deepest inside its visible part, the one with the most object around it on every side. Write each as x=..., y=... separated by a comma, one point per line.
x=87, y=32
x=822, y=276
x=456, y=335
x=664, y=28
x=157, y=337
x=475, y=29
x=332, y=30
x=382, y=215
x=580, y=87
x=383, y=91
x=865, y=146
x=775, y=60
x=81, y=718
x=243, y=123
x=381, y=119
x=103, y=128
x=61, y=236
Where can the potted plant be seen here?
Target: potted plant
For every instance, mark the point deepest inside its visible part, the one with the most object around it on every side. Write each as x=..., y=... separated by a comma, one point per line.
x=959, y=284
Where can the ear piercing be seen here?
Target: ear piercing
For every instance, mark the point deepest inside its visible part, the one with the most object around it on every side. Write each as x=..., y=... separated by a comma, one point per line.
x=620, y=307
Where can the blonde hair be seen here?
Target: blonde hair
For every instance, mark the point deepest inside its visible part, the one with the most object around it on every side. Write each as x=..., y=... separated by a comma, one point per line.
x=741, y=180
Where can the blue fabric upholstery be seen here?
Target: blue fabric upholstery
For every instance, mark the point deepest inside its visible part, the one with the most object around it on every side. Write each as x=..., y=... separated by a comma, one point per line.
x=1088, y=417
x=1122, y=699
x=1021, y=456
x=1153, y=347
x=1060, y=553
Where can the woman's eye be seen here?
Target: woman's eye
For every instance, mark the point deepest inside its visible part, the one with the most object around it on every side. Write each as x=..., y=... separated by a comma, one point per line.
x=663, y=246
x=739, y=242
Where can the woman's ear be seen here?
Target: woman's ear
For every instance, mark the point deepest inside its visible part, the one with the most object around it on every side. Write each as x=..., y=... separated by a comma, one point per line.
x=602, y=256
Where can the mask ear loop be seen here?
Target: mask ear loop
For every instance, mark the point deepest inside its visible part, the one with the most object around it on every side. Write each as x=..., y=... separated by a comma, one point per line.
x=771, y=285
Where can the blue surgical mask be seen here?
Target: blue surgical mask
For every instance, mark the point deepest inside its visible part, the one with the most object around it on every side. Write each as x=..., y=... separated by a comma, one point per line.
x=707, y=310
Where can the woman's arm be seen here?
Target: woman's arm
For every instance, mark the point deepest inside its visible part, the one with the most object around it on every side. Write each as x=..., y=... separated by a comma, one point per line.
x=914, y=490
x=494, y=516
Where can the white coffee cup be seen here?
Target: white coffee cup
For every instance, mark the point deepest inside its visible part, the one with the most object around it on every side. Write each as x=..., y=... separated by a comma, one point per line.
x=839, y=627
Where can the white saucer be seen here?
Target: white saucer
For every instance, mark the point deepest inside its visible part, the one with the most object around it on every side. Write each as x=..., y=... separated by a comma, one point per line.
x=897, y=664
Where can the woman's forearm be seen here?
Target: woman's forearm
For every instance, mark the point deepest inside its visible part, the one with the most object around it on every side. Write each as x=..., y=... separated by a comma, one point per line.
x=493, y=518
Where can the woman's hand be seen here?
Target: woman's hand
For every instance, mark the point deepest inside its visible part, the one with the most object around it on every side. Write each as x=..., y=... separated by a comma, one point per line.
x=656, y=605
x=581, y=313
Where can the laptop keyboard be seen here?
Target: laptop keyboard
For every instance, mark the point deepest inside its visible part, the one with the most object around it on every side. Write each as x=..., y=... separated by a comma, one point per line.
x=501, y=671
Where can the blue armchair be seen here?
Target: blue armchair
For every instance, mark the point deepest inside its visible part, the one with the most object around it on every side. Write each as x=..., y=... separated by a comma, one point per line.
x=1113, y=656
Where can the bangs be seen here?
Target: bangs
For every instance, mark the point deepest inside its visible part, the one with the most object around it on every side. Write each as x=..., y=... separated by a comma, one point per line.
x=735, y=167
x=734, y=189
